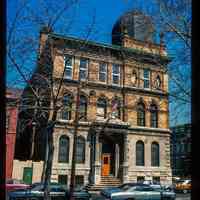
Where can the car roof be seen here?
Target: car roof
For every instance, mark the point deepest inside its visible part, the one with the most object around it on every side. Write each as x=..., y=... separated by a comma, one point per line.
x=135, y=184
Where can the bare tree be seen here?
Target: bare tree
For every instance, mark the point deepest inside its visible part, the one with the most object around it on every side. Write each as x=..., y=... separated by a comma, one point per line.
x=41, y=99
x=172, y=20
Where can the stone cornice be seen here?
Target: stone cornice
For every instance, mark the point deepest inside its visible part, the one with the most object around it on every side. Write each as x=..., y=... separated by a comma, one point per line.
x=136, y=53
x=115, y=125
x=93, y=85
x=149, y=129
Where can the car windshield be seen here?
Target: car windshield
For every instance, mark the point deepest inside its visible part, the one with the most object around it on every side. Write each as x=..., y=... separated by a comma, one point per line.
x=40, y=187
x=14, y=181
x=125, y=186
x=183, y=181
x=37, y=187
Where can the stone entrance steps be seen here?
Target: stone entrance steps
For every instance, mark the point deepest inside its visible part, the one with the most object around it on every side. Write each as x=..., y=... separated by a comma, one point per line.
x=106, y=181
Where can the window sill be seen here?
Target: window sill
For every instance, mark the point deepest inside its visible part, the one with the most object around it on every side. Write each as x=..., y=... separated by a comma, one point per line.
x=65, y=120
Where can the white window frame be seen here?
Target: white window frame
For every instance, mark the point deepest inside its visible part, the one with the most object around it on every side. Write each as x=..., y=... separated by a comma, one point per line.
x=84, y=69
x=146, y=79
x=103, y=72
x=114, y=74
x=68, y=66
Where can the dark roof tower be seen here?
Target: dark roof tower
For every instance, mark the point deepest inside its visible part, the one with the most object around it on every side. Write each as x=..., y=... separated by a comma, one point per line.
x=136, y=25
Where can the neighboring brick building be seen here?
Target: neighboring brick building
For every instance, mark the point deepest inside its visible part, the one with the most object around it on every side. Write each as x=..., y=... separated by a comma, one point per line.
x=181, y=150
x=12, y=102
x=126, y=81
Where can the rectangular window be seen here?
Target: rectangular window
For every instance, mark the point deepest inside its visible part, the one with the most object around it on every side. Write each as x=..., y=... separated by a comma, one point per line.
x=116, y=74
x=68, y=67
x=140, y=179
x=146, y=78
x=79, y=180
x=83, y=68
x=63, y=179
x=102, y=72
x=156, y=180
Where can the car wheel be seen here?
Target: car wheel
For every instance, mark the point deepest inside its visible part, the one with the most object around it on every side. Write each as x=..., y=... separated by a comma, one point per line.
x=185, y=191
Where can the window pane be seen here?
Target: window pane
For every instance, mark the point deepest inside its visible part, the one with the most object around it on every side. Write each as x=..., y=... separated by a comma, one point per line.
x=140, y=115
x=68, y=61
x=146, y=73
x=82, y=74
x=63, y=155
x=115, y=79
x=140, y=179
x=155, y=161
x=62, y=179
x=68, y=66
x=79, y=180
x=83, y=63
x=68, y=72
x=67, y=106
x=80, y=150
x=83, y=108
x=146, y=83
x=102, y=77
x=154, y=116
x=140, y=153
x=156, y=180
x=115, y=69
x=102, y=67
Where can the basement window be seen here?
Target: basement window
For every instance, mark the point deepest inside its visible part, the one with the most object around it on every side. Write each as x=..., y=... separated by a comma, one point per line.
x=79, y=180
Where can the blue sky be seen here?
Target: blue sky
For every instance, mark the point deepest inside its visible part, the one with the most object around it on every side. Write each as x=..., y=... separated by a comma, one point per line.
x=78, y=18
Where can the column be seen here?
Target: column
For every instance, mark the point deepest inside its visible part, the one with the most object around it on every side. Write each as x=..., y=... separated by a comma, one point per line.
x=116, y=160
x=97, y=163
x=125, y=162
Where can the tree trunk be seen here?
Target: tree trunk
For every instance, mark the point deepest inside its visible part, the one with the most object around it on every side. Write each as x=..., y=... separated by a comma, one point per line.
x=50, y=129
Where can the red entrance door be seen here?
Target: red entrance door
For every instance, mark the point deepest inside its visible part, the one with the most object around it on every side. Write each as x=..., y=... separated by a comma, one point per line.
x=105, y=164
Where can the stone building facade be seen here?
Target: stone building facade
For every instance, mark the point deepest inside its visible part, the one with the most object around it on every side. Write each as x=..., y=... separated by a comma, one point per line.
x=12, y=103
x=123, y=131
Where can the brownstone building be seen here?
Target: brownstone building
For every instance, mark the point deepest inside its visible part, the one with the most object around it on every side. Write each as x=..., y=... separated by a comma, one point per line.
x=12, y=102
x=123, y=132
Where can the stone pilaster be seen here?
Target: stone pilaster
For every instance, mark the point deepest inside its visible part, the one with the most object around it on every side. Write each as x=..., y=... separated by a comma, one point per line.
x=97, y=163
x=125, y=163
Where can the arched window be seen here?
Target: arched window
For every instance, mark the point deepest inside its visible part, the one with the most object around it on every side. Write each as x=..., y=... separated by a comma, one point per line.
x=83, y=108
x=154, y=116
x=101, y=108
x=63, y=153
x=140, y=153
x=155, y=154
x=80, y=150
x=141, y=114
x=116, y=108
x=67, y=107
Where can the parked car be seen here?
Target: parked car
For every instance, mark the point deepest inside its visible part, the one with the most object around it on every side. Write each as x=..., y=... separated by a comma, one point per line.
x=183, y=186
x=14, y=184
x=80, y=193
x=132, y=191
x=167, y=192
x=57, y=192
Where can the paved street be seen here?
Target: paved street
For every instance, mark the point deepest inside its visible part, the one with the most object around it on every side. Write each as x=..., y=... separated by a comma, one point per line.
x=178, y=197
x=183, y=197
